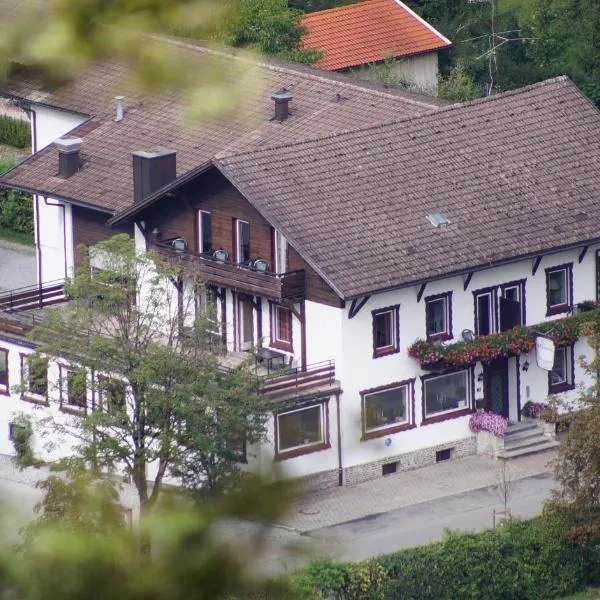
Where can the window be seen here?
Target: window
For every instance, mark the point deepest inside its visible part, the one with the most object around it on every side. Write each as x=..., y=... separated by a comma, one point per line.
x=439, y=316
x=73, y=390
x=34, y=378
x=280, y=253
x=242, y=241
x=111, y=396
x=281, y=327
x=385, y=331
x=512, y=305
x=559, y=289
x=446, y=394
x=562, y=377
x=387, y=409
x=485, y=311
x=4, y=389
x=204, y=232
x=302, y=430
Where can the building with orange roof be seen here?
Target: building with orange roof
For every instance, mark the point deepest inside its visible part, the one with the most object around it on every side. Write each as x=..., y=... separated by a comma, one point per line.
x=360, y=36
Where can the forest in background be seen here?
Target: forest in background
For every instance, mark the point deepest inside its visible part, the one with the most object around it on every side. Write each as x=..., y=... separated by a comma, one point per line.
x=498, y=45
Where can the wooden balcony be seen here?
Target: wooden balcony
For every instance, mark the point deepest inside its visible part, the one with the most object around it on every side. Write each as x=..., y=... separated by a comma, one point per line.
x=318, y=378
x=238, y=277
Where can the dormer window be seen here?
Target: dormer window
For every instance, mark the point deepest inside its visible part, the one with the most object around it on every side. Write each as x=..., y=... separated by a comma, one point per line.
x=242, y=230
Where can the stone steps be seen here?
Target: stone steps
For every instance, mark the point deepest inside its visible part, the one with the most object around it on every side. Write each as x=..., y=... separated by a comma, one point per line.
x=523, y=439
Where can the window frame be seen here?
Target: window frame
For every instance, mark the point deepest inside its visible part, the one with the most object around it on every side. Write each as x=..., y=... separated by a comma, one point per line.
x=445, y=297
x=492, y=292
x=556, y=309
x=276, y=341
x=5, y=387
x=280, y=246
x=375, y=432
x=63, y=386
x=238, y=242
x=200, y=238
x=520, y=285
x=295, y=451
x=452, y=413
x=394, y=347
x=101, y=380
x=569, y=365
x=26, y=394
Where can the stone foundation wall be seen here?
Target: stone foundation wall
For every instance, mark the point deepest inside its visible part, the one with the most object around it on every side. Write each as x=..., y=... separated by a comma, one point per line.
x=319, y=481
x=409, y=460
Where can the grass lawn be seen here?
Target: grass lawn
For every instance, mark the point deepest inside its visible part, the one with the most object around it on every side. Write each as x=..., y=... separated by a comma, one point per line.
x=525, y=7
x=16, y=236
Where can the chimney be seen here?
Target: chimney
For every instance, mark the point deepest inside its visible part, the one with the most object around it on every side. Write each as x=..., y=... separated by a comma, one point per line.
x=282, y=98
x=119, y=100
x=68, y=155
x=151, y=170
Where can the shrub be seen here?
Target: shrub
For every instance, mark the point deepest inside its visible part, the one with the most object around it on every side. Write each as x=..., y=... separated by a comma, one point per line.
x=22, y=432
x=14, y=132
x=519, y=561
x=533, y=409
x=486, y=421
x=16, y=211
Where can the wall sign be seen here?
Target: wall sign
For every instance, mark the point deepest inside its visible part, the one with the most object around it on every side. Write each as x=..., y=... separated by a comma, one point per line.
x=544, y=352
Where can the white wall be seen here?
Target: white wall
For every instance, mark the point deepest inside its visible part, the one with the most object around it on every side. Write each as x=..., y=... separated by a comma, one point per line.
x=52, y=123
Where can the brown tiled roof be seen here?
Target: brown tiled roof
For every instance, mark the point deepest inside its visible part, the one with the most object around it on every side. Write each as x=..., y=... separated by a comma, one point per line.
x=322, y=104
x=368, y=32
x=515, y=174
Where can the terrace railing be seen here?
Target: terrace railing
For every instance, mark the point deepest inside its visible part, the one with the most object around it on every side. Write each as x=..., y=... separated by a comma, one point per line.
x=31, y=297
x=295, y=381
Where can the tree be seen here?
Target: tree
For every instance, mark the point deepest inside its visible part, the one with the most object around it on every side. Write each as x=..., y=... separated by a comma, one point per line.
x=270, y=27
x=567, y=36
x=576, y=502
x=192, y=558
x=161, y=404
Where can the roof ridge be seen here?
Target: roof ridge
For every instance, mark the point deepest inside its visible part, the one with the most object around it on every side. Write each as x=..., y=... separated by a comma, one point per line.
x=300, y=72
x=443, y=109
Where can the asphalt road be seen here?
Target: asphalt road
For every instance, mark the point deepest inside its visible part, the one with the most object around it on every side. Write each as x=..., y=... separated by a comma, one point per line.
x=17, y=266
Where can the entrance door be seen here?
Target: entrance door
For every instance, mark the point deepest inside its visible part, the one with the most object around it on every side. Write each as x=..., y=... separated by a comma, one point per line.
x=496, y=386
x=246, y=324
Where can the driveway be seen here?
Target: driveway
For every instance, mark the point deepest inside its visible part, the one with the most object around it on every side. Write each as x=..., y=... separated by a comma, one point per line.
x=17, y=266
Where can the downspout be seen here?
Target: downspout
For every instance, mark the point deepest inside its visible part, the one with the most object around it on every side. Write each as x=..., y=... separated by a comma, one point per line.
x=61, y=205
x=303, y=334
x=339, y=440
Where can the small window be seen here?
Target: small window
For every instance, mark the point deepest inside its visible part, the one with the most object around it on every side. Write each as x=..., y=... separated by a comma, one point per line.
x=34, y=377
x=385, y=331
x=242, y=242
x=281, y=253
x=562, y=376
x=204, y=232
x=301, y=430
x=559, y=289
x=485, y=311
x=387, y=409
x=439, y=316
x=442, y=455
x=281, y=327
x=446, y=394
x=4, y=389
x=73, y=389
x=389, y=468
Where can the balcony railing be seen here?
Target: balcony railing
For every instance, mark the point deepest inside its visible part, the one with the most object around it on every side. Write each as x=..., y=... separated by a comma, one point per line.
x=237, y=276
x=35, y=296
x=297, y=381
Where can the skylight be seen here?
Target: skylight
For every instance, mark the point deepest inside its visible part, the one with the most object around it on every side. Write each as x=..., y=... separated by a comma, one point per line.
x=437, y=219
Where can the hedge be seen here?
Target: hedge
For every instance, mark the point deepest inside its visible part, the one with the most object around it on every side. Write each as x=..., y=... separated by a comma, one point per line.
x=16, y=212
x=522, y=560
x=14, y=132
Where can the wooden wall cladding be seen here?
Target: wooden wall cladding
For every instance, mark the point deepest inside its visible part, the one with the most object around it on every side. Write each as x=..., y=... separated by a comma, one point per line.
x=176, y=216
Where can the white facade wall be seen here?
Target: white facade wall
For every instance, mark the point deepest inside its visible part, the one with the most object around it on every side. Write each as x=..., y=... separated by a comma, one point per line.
x=54, y=235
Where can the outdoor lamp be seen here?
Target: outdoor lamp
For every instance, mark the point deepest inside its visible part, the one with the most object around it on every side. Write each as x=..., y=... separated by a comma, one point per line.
x=526, y=366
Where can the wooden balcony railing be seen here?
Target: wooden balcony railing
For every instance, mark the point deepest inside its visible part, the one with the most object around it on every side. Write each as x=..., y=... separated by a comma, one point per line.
x=239, y=277
x=37, y=296
x=297, y=381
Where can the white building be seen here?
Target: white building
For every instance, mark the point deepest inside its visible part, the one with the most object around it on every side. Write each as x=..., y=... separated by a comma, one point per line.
x=336, y=253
